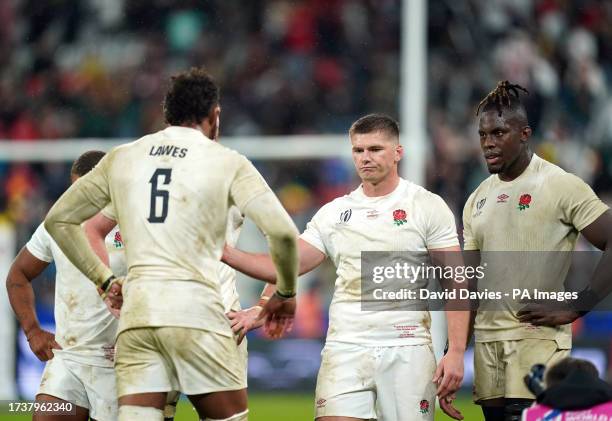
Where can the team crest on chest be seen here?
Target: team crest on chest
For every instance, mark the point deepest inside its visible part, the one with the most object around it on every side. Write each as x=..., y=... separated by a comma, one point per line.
x=524, y=201
x=502, y=198
x=399, y=217
x=118, y=241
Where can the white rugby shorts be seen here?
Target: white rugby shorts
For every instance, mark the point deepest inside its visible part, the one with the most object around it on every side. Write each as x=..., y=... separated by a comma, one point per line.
x=387, y=383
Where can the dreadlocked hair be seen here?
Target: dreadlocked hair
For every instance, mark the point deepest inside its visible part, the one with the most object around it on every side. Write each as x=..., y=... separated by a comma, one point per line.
x=504, y=94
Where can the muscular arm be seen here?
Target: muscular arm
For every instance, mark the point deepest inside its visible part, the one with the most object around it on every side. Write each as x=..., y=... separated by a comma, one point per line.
x=599, y=234
x=260, y=266
x=449, y=373
x=24, y=268
x=80, y=202
x=457, y=318
x=96, y=230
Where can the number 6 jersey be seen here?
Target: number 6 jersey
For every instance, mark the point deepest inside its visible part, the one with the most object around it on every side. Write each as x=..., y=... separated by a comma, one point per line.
x=171, y=192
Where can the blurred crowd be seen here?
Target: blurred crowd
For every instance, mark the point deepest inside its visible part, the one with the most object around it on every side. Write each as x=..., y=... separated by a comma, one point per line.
x=98, y=68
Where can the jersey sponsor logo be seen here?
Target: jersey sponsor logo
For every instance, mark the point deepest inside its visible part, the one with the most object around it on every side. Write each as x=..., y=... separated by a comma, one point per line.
x=399, y=217
x=502, y=198
x=524, y=201
x=118, y=241
x=345, y=216
x=321, y=403
x=372, y=214
x=424, y=406
x=480, y=204
x=169, y=150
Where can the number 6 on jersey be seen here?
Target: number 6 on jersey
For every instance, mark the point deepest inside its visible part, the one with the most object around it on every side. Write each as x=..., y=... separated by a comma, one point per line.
x=164, y=195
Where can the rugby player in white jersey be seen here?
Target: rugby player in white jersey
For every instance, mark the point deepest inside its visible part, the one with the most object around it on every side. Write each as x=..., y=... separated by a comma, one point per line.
x=376, y=364
x=79, y=355
x=526, y=205
x=171, y=192
x=98, y=229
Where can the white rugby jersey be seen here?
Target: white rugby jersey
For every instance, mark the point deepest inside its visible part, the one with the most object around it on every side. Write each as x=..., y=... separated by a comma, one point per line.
x=84, y=327
x=348, y=225
x=171, y=191
x=226, y=274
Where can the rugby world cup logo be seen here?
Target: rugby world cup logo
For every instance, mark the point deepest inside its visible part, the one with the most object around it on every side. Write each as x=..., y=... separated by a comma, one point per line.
x=346, y=216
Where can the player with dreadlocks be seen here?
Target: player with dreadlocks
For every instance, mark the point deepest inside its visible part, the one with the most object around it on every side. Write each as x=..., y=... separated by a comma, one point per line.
x=527, y=204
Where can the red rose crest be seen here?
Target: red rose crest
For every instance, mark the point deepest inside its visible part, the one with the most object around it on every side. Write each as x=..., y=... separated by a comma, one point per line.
x=424, y=406
x=399, y=217
x=524, y=201
x=118, y=241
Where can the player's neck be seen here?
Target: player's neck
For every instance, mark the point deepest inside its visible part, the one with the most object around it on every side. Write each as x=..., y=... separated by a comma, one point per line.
x=382, y=188
x=518, y=167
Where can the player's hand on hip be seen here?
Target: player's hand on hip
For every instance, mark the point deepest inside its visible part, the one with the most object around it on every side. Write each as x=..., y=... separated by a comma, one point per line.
x=278, y=314
x=446, y=404
x=116, y=312
x=42, y=343
x=244, y=321
x=113, y=297
x=449, y=373
x=546, y=315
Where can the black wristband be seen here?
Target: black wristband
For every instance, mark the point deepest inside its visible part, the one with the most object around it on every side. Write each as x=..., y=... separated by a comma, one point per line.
x=107, y=283
x=283, y=296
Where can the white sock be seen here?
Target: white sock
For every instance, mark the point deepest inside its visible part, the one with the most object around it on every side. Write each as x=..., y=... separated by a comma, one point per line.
x=133, y=413
x=243, y=416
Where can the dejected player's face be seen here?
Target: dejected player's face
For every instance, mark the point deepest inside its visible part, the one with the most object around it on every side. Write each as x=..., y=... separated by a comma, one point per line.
x=375, y=156
x=502, y=141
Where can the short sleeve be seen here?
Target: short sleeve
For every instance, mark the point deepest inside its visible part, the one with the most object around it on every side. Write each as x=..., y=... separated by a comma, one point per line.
x=40, y=245
x=109, y=212
x=441, y=228
x=313, y=235
x=469, y=242
x=247, y=184
x=580, y=205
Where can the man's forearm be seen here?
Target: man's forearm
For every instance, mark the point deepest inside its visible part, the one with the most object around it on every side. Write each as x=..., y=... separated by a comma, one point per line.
x=71, y=239
x=283, y=250
x=255, y=265
x=267, y=292
x=21, y=297
x=63, y=222
x=458, y=323
x=268, y=214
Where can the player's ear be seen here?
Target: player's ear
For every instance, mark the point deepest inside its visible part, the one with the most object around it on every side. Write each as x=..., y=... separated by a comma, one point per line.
x=525, y=133
x=216, y=122
x=399, y=152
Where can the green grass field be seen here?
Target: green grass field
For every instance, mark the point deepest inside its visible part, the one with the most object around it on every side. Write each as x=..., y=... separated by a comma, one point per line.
x=297, y=407
x=284, y=407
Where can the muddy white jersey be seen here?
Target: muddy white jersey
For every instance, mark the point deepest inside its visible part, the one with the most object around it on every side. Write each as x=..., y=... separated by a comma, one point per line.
x=171, y=192
x=227, y=275
x=408, y=219
x=84, y=327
